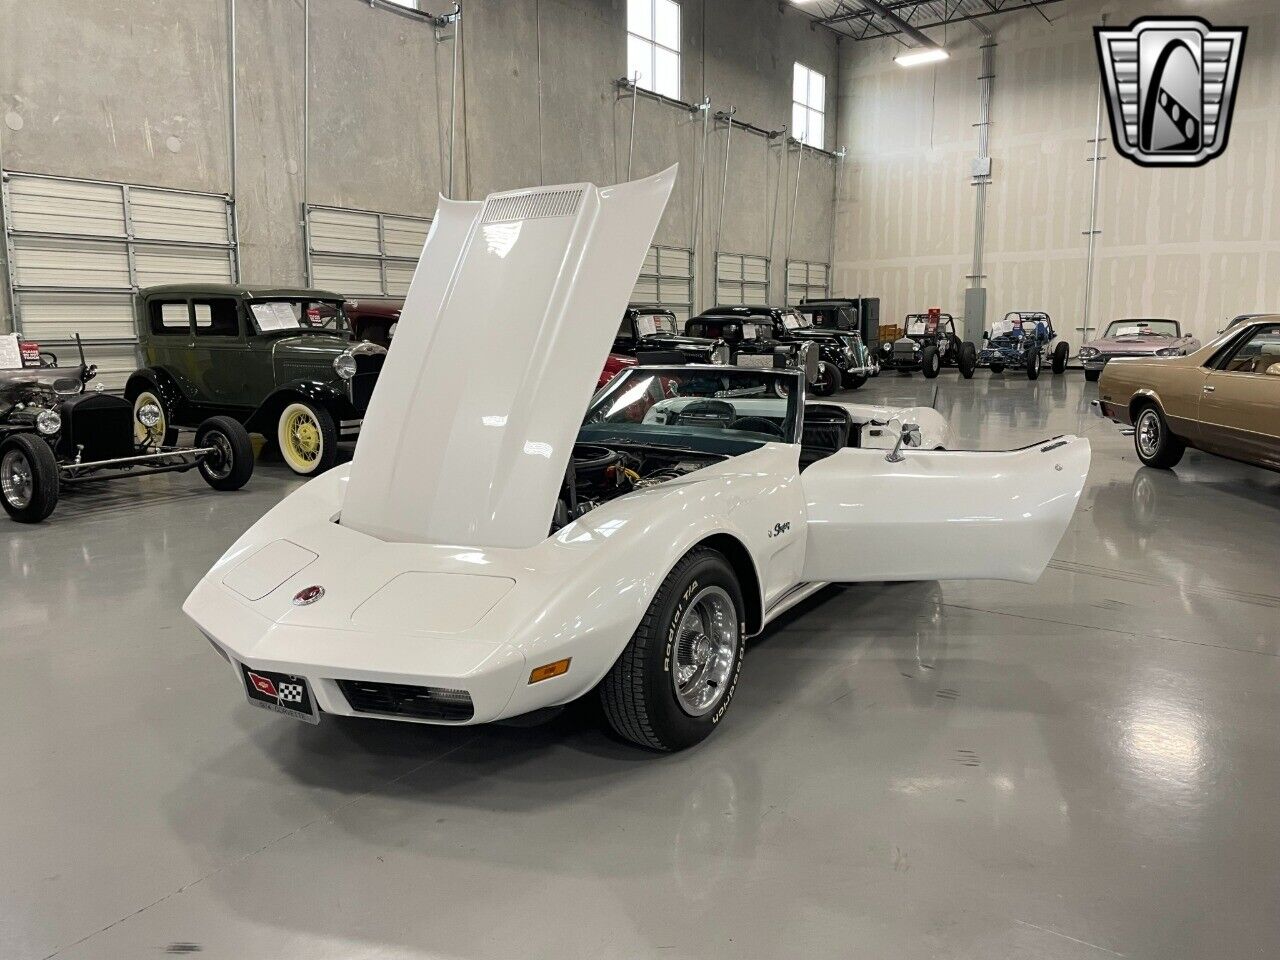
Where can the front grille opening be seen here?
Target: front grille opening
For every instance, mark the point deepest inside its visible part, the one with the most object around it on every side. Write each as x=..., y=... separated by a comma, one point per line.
x=404, y=700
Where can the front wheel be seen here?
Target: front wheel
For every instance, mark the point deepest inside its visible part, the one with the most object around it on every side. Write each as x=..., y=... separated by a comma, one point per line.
x=828, y=379
x=1060, y=354
x=308, y=438
x=1155, y=443
x=967, y=360
x=930, y=362
x=1092, y=375
x=677, y=675
x=229, y=465
x=28, y=478
x=852, y=381
x=1033, y=365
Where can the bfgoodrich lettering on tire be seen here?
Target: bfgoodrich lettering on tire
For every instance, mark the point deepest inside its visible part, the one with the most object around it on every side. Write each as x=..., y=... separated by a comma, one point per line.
x=677, y=676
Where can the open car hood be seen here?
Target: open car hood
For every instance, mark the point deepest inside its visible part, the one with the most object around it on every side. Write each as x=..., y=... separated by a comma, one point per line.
x=510, y=315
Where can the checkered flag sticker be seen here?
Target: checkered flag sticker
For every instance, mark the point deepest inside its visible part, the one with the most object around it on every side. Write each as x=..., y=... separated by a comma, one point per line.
x=291, y=692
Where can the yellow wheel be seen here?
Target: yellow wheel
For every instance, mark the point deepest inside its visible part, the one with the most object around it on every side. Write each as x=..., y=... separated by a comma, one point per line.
x=307, y=437
x=159, y=433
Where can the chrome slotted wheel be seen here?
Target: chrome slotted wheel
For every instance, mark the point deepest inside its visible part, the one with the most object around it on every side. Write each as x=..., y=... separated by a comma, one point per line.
x=1148, y=433
x=15, y=479
x=706, y=650
x=217, y=465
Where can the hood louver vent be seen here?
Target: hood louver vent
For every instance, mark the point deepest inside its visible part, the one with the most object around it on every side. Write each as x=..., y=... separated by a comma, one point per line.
x=532, y=206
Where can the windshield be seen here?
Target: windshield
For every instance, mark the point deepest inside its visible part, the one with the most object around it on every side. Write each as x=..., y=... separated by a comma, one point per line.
x=721, y=410
x=656, y=325
x=712, y=328
x=291, y=315
x=1142, y=328
x=794, y=320
x=918, y=324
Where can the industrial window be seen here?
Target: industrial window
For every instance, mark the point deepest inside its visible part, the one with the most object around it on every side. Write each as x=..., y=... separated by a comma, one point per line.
x=742, y=278
x=667, y=279
x=80, y=249
x=807, y=281
x=363, y=253
x=808, y=103
x=653, y=45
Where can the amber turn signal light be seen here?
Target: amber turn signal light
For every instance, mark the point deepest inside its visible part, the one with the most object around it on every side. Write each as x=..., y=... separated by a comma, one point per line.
x=549, y=670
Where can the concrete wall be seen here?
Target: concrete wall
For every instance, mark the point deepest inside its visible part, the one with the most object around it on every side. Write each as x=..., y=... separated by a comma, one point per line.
x=137, y=90
x=1197, y=245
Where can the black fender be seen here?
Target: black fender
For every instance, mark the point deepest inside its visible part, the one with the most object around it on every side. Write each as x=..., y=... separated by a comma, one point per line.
x=263, y=420
x=833, y=353
x=161, y=384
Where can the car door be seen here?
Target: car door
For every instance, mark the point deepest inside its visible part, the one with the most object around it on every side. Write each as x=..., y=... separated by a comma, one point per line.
x=940, y=514
x=219, y=350
x=169, y=341
x=1239, y=406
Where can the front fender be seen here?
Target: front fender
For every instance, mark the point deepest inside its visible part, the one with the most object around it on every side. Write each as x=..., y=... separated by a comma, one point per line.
x=263, y=420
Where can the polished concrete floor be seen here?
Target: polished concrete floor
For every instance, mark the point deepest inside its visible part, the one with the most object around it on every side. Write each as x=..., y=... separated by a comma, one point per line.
x=1083, y=768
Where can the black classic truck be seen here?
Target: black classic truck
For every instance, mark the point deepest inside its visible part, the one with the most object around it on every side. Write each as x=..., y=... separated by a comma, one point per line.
x=842, y=361
x=281, y=361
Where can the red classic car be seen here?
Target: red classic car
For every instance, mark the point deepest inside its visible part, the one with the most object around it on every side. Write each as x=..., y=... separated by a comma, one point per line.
x=614, y=365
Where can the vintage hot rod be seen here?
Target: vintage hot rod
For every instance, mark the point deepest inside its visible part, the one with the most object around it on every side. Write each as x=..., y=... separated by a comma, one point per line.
x=55, y=433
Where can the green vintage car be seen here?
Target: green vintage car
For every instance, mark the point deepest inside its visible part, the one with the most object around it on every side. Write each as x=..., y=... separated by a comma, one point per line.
x=280, y=361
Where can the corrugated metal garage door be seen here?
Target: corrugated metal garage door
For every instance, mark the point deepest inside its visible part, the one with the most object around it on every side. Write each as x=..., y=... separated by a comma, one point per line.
x=742, y=278
x=807, y=281
x=363, y=253
x=79, y=249
x=667, y=279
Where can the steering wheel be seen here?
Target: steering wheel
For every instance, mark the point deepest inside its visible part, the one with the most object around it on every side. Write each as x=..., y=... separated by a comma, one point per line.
x=758, y=425
x=706, y=413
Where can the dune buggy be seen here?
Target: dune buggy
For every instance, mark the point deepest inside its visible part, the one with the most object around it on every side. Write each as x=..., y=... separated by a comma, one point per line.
x=1023, y=340
x=928, y=344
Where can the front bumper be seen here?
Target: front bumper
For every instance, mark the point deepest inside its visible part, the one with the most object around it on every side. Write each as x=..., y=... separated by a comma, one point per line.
x=900, y=362
x=488, y=672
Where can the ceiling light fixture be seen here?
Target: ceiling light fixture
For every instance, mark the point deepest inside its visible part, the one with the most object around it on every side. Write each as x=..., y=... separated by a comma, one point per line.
x=918, y=56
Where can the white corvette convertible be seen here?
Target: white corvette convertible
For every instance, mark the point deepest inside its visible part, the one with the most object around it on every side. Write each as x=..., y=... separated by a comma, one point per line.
x=503, y=542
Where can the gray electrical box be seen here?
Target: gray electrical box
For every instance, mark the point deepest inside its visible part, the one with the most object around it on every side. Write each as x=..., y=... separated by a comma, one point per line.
x=981, y=167
x=975, y=314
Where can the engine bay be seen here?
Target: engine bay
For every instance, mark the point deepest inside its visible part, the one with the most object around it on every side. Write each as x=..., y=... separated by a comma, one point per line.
x=597, y=474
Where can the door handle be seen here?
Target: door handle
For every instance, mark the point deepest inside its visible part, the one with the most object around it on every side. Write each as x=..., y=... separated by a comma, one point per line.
x=1209, y=389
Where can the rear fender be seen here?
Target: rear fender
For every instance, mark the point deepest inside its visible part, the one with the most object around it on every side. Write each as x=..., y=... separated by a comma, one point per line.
x=161, y=384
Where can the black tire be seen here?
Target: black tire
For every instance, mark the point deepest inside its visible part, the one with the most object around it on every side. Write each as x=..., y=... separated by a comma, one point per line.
x=321, y=421
x=1154, y=442
x=1060, y=353
x=1092, y=375
x=930, y=362
x=232, y=465
x=967, y=360
x=638, y=693
x=828, y=381
x=997, y=366
x=852, y=381
x=1033, y=364
x=30, y=496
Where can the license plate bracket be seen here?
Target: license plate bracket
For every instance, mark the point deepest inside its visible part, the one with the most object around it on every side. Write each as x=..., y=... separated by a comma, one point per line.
x=281, y=693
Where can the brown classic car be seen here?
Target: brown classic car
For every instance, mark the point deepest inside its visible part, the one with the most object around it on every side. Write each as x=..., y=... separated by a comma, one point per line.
x=1222, y=399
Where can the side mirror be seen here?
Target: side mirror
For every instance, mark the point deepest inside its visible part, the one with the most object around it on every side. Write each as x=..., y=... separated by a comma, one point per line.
x=910, y=436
